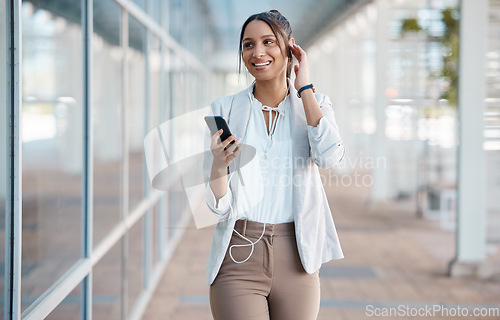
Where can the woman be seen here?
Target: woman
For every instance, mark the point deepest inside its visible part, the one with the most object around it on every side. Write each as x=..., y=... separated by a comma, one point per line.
x=275, y=227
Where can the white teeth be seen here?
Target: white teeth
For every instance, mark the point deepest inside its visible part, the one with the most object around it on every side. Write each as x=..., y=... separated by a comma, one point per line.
x=262, y=64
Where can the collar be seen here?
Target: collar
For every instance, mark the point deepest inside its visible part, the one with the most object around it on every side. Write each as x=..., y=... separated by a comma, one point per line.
x=282, y=106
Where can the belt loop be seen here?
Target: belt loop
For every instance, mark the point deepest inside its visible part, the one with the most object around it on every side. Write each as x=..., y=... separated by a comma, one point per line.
x=245, y=227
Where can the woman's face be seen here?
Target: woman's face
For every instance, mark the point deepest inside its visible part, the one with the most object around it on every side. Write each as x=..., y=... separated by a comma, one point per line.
x=261, y=52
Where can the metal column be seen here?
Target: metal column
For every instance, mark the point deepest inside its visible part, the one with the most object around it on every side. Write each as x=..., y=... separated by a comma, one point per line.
x=13, y=214
x=471, y=204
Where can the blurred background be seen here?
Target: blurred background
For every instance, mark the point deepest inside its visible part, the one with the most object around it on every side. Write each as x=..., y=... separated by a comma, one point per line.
x=415, y=85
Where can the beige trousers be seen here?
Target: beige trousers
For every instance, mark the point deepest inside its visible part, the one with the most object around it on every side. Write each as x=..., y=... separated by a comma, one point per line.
x=272, y=284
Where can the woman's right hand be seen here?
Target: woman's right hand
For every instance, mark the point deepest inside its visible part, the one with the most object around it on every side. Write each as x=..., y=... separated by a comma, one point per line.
x=222, y=158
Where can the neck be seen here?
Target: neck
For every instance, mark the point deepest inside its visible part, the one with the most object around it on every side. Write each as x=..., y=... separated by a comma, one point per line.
x=271, y=92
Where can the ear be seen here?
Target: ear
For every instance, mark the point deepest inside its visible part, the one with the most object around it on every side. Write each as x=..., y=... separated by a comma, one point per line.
x=291, y=42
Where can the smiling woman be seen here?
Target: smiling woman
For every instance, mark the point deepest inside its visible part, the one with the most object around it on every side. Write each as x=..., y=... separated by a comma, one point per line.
x=272, y=237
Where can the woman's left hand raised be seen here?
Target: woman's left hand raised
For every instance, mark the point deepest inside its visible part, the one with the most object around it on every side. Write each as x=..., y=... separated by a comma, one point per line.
x=301, y=69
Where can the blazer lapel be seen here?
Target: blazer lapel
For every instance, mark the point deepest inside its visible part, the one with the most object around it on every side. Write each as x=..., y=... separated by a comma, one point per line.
x=238, y=118
x=300, y=152
x=300, y=145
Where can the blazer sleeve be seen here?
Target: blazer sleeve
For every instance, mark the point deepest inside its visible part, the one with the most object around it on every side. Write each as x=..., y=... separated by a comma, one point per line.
x=327, y=148
x=220, y=208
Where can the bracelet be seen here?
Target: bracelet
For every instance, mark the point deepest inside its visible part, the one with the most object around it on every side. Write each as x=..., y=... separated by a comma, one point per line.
x=309, y=86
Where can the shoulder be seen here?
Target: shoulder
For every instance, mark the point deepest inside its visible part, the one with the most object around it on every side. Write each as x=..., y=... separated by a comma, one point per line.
x=223, y=103
x=224, y=100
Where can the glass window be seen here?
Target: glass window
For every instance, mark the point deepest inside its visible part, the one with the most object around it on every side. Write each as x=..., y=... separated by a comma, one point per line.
x=154, y=83
x=177, y=204
x=51, y=144
x=165, y=78
x=134, y=263
x=107, y=285
x=164, y=14
x=159, y=232
x=69, y=308
x=107, y=109
x=155, y=235
x=156, y=10
x=141, y=3
x=137, y=108
x=179, y=85
x=3, y=143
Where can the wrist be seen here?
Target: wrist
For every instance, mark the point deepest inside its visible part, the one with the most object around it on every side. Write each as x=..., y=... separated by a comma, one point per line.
x=300, y=84
x=304, y=88
x=218, y=165
x=217, y=173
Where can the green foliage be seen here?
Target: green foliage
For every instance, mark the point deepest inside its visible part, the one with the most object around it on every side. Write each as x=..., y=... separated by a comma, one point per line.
x=449, y=41
x=450, y=59
x=410, y=25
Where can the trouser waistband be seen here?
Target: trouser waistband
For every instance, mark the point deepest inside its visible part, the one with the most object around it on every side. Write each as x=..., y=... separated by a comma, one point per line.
x=250, y=227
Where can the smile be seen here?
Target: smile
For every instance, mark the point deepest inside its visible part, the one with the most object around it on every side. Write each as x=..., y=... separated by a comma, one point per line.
x=262, y=64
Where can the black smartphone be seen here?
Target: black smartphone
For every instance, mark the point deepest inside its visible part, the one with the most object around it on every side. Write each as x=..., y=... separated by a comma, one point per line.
x=215, y=123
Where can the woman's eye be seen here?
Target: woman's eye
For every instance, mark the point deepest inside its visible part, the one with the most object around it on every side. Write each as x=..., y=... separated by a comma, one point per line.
x=268, y=41
x=247, y=45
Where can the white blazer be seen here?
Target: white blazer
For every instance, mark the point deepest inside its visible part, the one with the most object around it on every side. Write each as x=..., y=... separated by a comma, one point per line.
x=317, y=239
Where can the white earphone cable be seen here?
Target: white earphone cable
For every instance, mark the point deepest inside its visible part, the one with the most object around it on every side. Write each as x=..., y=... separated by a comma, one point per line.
x=243, y=237
x=245, y=245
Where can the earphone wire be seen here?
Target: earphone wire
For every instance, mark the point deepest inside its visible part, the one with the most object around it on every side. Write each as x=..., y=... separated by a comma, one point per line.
x=245, y=245
x=243, y=237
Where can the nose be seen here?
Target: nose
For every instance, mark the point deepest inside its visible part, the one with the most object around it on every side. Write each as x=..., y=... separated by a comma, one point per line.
x=259, y=51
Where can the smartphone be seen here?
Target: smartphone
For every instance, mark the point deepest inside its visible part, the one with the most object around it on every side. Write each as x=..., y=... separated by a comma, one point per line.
x=215, y=123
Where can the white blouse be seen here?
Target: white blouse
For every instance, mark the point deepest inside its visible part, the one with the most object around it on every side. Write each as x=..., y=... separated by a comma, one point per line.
x=273, y=183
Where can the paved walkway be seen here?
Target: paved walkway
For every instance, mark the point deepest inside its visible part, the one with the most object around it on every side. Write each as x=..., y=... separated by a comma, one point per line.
x=392, y=260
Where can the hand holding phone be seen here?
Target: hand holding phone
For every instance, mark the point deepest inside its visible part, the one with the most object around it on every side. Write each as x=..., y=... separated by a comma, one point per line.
x=215, y=123
x=222, y=157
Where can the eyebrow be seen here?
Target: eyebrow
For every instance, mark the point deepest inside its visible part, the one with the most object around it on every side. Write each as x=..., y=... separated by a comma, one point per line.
x=264, y=36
